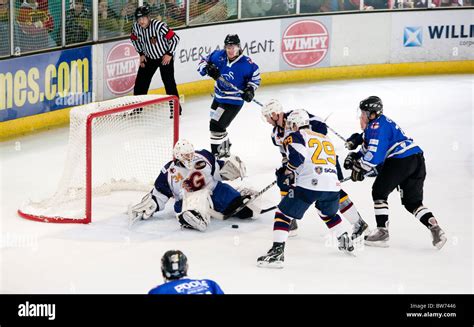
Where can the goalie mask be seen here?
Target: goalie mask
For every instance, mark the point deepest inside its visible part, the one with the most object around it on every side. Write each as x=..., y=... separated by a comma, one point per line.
x=174, y=265
x=184, y=152
x=297, y=119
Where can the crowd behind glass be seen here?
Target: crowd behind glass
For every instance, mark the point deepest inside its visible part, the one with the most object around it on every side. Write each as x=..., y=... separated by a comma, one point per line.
x=38, y=24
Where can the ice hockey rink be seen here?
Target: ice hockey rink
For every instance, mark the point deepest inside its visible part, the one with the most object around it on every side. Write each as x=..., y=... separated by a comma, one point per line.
x=108, y=257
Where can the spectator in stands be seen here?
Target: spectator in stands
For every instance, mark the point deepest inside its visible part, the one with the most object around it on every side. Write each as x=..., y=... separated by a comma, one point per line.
x=78, y=23
x=5, y=27
x=109, y=21
x=157, y=9
x=128, y=16
x=33, y=25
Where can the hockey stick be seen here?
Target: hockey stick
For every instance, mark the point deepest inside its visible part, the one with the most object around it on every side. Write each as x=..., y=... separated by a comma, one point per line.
x=221, y=216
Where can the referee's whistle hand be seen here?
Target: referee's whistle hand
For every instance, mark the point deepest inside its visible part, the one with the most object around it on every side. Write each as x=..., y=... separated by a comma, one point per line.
x=166, y=59
x=142, y=61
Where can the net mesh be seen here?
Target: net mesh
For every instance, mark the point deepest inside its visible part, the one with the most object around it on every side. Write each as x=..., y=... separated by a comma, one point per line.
x=129, y=147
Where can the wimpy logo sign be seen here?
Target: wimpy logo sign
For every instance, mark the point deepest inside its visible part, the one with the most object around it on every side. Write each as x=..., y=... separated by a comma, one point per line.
x=305, y=43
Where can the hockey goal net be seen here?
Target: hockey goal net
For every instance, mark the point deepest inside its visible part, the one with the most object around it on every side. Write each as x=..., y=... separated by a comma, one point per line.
x=114, y=145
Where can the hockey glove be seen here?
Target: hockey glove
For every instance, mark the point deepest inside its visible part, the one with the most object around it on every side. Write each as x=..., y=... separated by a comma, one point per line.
x=354, y=141
x=213, y=71
x=248, y=94
x=357, y=172
x=350, y=159
x=285, y=178
x=145, y=209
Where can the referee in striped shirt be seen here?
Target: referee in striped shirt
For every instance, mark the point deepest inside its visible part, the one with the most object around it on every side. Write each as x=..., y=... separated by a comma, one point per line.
x=156, y=44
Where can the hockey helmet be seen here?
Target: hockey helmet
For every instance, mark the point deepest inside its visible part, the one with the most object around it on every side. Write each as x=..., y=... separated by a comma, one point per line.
x=372, y=104
x=232, y=39
x=174, y=265
x=272, y=107
x=298, y=118
x=184, y=152
x=142, y=11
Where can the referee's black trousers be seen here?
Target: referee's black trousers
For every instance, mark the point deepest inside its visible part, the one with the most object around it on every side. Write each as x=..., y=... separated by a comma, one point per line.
x=145, y=75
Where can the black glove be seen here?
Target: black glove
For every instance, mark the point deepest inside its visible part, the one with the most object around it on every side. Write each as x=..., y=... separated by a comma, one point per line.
x=354, y=141
x=285, y=178
x=350, y=159
x=248, y=94
x=357, y=172
x=213, y=71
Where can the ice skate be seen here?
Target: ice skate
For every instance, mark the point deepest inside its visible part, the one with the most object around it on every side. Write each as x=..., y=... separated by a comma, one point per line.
x=360, y=227
x=345, y=243
x=439, y=239
x=293, y=228
x=274, y=257
x=378, y=237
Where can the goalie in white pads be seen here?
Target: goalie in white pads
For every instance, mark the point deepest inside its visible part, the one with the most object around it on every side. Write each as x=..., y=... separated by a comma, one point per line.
x=274, y=115
x=194, y=180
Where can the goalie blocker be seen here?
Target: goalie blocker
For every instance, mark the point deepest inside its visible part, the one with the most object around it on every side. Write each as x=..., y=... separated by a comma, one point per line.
x=194, y=180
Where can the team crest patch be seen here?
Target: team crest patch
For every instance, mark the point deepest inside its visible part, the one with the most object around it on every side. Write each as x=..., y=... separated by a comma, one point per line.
x=318, y=170
x=153, y=40
x=200, y=164
x=375, y=125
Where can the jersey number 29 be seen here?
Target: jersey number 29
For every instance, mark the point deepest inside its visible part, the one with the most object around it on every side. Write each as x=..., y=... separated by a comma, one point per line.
x=320, y=146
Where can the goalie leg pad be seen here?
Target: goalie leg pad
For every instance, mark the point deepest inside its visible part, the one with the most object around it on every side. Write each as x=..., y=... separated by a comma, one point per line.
x=193, y=220
x=195, y=209
x=233, y=168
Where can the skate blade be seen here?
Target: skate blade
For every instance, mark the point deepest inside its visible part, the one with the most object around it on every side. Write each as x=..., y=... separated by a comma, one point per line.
x=441, y=243
x=272, y=265
x=293, y=233
x=379, y=244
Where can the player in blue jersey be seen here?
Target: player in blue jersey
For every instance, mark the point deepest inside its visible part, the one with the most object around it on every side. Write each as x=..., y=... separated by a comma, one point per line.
x=402, y=164
x=234, y=67
x=274, y=115
x=194, y=180
x=174, y=267
x=311, y=167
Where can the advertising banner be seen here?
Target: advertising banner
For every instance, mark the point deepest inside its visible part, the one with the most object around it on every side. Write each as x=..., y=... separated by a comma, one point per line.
x=437, y=36
x=305, y=43
x=45, y=82
x=259, y=40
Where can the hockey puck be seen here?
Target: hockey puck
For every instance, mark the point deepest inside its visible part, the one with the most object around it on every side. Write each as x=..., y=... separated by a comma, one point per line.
x=235, y=226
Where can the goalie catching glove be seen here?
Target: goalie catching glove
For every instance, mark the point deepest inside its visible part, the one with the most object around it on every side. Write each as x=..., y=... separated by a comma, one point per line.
x=233, y=168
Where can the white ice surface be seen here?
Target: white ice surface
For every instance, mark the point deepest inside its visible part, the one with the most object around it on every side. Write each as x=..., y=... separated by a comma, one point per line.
x=107, y=257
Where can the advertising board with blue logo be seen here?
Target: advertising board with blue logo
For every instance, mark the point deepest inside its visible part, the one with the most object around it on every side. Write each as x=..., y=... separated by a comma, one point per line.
x=46, y=82
x=435, y=37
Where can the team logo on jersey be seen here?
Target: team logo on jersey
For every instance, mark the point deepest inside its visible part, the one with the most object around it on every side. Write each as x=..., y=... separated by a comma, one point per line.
x=288, y=140
x=305, y=43
x=153, y=40
x=318, y=170
x=200, y=164
x=375, y=125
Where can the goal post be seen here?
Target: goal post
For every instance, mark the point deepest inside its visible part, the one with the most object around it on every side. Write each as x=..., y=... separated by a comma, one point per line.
x=114, y=145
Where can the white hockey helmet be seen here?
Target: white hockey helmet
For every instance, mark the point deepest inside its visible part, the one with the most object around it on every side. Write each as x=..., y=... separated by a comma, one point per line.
x=184, y=151
x=272, y=106
x=298, y=118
